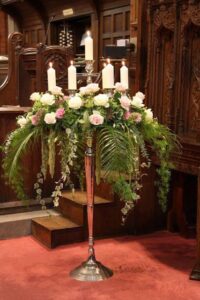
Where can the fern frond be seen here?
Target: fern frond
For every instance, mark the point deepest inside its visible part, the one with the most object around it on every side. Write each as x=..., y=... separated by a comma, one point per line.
x=115, y=151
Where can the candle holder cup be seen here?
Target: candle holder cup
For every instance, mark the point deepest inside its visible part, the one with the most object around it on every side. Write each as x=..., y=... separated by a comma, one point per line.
x=72, y=92
x=109, y=92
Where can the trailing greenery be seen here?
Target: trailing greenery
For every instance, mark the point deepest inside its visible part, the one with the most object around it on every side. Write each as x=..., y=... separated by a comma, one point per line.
x=125, y=136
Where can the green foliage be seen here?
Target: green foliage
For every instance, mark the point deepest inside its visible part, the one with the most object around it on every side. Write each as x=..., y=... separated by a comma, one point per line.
x=15, y=147
x=125, y=139
x=115, y=151
x=162, y=141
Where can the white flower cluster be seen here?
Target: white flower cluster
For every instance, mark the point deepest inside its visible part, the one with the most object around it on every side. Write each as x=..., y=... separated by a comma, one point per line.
x=47, y=98
x=22, y=121
x=101, y=100
x=35, y=96
x=75, y=102
x=91, y=88
x=138, y=102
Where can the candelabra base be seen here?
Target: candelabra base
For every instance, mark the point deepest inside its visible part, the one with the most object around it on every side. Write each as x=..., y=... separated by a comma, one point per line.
x=91, y=270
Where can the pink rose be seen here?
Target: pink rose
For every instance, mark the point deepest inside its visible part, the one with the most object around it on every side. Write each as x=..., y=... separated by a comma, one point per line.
x=137, y=117
x=127, y=115
x=60, y=113
x=125, y=102
x=119, y=87
x=96, y=118
x=35, y=120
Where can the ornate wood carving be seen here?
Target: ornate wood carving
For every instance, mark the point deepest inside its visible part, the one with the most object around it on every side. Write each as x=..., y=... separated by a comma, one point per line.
x=60, y=56
x=173, y=80
x=189, y=52
x=164, y=17
x=162, y=57
x=9, y=89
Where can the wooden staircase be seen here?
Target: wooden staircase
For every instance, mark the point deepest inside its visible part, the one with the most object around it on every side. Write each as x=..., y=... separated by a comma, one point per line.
x=71, y=225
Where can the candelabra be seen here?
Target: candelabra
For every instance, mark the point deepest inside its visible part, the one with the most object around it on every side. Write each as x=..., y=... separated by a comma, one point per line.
x=91, y=269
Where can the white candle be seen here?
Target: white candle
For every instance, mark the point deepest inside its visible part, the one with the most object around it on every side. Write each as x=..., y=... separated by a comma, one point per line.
x=51, y=77
x=108, y=76
x=89, y=47
x=124, y=75
x=72, y=78
x=104, y=76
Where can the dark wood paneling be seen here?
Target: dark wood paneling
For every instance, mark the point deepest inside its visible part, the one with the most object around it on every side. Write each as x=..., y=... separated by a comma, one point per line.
x=114, y=26
x=3, y=33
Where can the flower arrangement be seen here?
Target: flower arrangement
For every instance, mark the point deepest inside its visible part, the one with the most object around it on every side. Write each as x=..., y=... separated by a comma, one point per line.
x=125, y=132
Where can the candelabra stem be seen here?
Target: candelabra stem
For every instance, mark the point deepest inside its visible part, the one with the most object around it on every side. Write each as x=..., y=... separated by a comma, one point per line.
x=89, y=69
x=89, y=168
x=91, y=269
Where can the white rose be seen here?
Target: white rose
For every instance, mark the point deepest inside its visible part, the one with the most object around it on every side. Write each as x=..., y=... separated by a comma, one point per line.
x=83, y=91
x=91, y=88
x=47, y=99
x=50, y=118
x=35, y=96
x=96, y=118
x=148, y=115
x=57, y=91
x=22, y=121
x=75, y=102
x=137, y=102
x=140, y=95
x=101, y=100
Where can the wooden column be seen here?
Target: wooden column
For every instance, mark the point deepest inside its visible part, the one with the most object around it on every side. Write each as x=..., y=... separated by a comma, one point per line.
x=141, y=58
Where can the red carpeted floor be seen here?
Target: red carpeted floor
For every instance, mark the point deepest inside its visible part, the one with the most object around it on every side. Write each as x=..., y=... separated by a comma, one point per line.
x=150, y=267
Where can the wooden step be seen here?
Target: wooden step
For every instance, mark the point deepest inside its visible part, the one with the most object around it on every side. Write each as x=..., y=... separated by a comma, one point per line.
x=15, y=207
x=107, y=215
x=54, y=231
x=74, y=205
x=19, y=224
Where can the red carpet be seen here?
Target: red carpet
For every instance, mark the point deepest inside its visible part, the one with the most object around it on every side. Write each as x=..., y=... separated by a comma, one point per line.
x=151, y=267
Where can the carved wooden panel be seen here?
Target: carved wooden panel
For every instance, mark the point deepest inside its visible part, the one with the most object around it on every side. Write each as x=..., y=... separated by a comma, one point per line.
x=161, y=64
x=9, y=90
x=60, y=57
x=173, y=71
x=173, y=89
x=190, y=69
